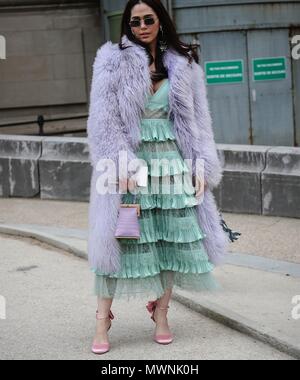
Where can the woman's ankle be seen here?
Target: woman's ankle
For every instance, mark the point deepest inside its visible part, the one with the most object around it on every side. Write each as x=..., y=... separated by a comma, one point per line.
x=160, y=315
x=102, y=325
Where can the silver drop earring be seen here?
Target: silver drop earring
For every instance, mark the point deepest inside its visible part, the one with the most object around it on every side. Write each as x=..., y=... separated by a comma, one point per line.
x=163, y=43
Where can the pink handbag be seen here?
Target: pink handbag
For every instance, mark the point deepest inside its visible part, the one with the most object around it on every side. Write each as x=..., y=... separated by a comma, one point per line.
x=128, y=226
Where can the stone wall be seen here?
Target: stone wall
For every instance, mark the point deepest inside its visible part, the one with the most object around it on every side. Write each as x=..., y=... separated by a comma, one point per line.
x=257, y=179
x=50, y=48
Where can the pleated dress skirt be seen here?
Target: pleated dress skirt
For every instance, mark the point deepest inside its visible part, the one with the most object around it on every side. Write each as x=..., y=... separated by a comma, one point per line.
x=170, y=252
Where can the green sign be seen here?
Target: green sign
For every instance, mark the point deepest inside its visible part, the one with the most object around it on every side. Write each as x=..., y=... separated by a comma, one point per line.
x=272, y=68
x=224, y=72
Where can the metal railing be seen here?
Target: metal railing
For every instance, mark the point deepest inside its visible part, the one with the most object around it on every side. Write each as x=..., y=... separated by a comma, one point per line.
x=41, y=120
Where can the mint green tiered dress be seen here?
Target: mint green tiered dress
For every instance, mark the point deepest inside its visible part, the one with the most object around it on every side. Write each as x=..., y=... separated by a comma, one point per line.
x=170, y=252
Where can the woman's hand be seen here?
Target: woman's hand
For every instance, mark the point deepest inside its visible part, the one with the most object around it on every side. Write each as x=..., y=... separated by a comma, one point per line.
x=127, y=184
x=201, y=186
x=123, y=184
x=132, y=184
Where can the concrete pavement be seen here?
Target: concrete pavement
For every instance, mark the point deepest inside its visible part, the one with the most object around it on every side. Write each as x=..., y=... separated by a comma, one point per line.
x=257, y=293
x=50, y=315
x=272, y=237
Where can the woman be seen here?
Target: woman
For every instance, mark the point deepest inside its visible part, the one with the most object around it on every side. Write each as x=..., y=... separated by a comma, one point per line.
x=148, y=98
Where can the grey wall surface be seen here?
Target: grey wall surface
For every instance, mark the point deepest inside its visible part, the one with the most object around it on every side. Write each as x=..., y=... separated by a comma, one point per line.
x=250, y=112
x=48, y=168
x=49, y=56
x=19, y=175
x=260, y=180
x=51, y=45
x=64, y=169
x=39, y=2
x=296, y=89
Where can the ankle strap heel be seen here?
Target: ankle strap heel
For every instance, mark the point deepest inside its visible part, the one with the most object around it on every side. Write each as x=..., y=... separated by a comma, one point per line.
x=152, y=305
x=110, y=316
x=163, y=308
x=103, y=347
x=161, y=339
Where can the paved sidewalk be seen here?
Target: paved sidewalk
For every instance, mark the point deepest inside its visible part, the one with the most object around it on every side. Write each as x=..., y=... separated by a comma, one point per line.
x=51, y=315
x=271, y=237
x=257, y=291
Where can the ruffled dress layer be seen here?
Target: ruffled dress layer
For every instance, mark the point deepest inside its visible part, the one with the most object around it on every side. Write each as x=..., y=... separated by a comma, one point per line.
x=170, y=252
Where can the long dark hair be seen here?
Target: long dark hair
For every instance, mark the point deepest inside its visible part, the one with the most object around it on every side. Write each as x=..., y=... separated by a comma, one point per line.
x=170, y=36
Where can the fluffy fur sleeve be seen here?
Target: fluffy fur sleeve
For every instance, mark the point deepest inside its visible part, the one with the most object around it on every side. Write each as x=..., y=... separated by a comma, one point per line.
x=205, y=147
x=105, y=135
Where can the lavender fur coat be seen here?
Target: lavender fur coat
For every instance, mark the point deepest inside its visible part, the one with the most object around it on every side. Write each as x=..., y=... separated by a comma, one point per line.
x=120, y=86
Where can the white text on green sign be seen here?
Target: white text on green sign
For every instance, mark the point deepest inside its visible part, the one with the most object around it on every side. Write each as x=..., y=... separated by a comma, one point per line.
x=224, y=72
x=272, y=68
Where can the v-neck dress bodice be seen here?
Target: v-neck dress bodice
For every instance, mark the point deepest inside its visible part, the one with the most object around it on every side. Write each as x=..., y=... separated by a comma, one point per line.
x=159, y=97
x=170, y=251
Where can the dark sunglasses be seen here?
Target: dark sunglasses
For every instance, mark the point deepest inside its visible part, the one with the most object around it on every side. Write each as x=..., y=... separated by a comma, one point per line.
x=137, y=23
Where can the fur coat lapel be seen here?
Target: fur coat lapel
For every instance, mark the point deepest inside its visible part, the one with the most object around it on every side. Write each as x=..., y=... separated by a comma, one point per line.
x=135, y=90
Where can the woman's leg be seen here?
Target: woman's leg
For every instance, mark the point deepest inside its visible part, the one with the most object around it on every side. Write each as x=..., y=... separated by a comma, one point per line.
x=165, y=299
x=102, y=325
x=160, y=315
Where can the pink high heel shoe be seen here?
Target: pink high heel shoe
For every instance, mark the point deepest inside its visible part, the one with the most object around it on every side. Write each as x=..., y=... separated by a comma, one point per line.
x=161, y=339
x=102, y=348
